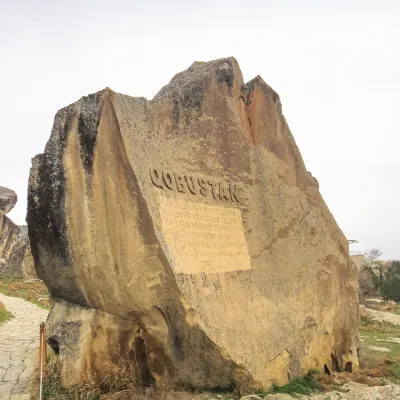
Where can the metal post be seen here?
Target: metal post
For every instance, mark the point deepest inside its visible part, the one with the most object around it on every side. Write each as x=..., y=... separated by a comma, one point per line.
x=42, y=357
x=44, y=348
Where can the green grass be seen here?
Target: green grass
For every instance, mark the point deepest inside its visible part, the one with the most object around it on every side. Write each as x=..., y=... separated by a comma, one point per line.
x=304, y=385
x=377, y=334
x=4, y=314
x=35, y=292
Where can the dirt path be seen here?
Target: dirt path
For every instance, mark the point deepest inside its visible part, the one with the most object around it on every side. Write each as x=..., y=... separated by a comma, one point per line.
x=19, y=340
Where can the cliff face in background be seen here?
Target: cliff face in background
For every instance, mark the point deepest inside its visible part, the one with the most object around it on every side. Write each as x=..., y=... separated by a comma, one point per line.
x=15, y=254
x=185, y=233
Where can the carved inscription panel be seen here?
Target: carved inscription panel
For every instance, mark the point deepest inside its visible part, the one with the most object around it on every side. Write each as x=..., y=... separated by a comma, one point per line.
x=202, y=237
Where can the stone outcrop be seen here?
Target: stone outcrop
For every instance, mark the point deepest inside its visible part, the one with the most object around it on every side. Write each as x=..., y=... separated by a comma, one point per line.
x=8, y=199
x=185, y=234
x=15, y=255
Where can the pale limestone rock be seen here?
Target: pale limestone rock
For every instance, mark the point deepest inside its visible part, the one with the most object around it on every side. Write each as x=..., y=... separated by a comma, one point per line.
x=381, y=316
x=251, y=397
x=8, y=199
x=357, y=391
x=278, y=396
x=186, y=233
x=380, y=349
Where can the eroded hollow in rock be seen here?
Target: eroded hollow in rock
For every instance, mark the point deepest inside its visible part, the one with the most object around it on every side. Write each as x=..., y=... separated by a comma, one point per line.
x=335, y=364
x=138, y=356
x=348, y=367
x=54, y=345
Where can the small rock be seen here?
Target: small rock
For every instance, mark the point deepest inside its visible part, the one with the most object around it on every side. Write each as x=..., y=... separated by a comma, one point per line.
x=381, y=349
x=251, y=397
x=378, y=301
x=333, y=396
x=219, y=396
x=278, y=396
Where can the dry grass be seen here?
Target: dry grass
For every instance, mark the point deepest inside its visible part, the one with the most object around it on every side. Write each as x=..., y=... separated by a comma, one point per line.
x=114, y=378
x=36, y=292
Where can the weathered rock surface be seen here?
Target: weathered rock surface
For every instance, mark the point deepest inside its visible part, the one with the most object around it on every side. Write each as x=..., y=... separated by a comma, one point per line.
x=8, y=199
x=185, y=234
x=15, y=255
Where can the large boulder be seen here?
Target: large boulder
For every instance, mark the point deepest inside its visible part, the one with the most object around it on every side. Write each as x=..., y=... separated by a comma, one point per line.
x=20, y=261
x=15, y=254
x=9, y=233
x=185, y=235
x=8, y=199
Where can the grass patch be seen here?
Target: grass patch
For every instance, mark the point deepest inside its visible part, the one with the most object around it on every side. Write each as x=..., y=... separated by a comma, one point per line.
x=304, y=385
x=35, y=292
x=376, y=364
x=4, y=314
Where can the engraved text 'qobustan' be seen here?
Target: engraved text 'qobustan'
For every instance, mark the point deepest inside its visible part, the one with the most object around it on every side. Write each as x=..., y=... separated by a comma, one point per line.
x=185, y=183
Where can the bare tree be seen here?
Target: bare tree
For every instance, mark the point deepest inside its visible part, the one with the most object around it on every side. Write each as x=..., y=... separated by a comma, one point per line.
x=373, y=254
x=366, y=282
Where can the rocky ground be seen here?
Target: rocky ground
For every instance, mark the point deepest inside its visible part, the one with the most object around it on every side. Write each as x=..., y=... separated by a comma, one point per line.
x=354, y=391
x=349, y=391
x=19, y=340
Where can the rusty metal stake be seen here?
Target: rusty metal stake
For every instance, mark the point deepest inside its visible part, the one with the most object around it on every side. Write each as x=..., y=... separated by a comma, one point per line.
x=43, y=347
x=42, y=356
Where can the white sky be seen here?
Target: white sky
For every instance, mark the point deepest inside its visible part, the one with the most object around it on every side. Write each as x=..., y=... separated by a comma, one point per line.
x=335, y=65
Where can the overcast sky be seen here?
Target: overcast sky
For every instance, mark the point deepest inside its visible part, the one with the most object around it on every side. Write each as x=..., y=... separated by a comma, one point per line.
x=335, y=65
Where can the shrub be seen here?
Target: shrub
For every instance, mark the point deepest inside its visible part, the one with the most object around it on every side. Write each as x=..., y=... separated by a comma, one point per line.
x=390, y=287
